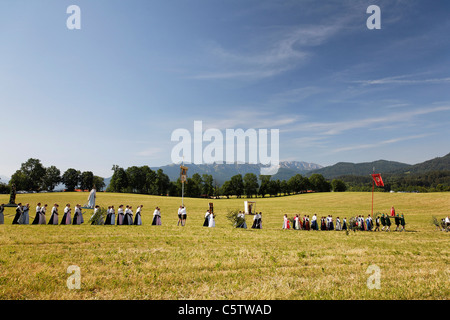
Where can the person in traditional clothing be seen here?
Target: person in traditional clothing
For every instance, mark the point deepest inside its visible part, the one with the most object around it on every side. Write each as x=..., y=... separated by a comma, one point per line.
x=241, y=220
x=108, y=216
x=344, y=224
x=397, y=221
x=2, y=217
x=67, y=219
x=129, y=216
x=331, y=223
x=19, y=212
x=42, y=219
x=54, y=216
x=383, y=222
x=179, y=215
x=285, y=222
x=296, y=225
x=38, y=214
x=212, y=221
x=25, y=217
x=120, y=215
x=206, y=222
x=126, y=219
x=255, y=221
x=338, y=224
x=323, y=224
x=388, y=223
x=156, y=217
x=377, y=223
x=447, y=222
x=392, y=211
x=112, y=219
x=307, y=223
x=402, y=222
x=77, y=216
x=183, y=216
x=369, y=223
x=137, y=217
x=314, y=222
x=362, y=223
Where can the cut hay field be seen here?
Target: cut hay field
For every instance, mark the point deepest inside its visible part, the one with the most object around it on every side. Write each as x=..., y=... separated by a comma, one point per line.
x=194, y=262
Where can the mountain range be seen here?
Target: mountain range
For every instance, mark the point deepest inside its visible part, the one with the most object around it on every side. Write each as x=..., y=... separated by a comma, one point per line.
x=223, y=172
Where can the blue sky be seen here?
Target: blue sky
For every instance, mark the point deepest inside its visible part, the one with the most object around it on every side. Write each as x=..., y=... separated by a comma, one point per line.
x=114, y=91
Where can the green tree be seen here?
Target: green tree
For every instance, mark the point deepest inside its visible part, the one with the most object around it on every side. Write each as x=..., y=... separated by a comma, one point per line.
x=319, y=184
x=284, y=187
x=162, y=182
x=237, y=185
x=21, y=181
x=99, y=183
x=264, y=187
x=86, y=180
x=71, y=179
x=226, y=189
x=250, y=185
x=51, y=178
x=298, y=183
x=208, y=185
x=338, y=185
x=150, y=186
x=31, y=175
x=136, y=179
x=274, y=187
x=119, y=180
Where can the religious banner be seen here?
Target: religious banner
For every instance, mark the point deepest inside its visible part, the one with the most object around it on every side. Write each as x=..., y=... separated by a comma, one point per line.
x=183, y=174
x=377, y=179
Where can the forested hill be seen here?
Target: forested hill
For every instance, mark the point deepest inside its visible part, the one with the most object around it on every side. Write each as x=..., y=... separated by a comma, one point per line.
x=360, y=169
x=436, y=164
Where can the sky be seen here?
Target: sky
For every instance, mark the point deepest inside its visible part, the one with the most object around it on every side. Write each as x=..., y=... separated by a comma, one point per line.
x=114, y=91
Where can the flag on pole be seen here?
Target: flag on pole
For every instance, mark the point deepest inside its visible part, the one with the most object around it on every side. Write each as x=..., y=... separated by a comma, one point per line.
x=378, y=180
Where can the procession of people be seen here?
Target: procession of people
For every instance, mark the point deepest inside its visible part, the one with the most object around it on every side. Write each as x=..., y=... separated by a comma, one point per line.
x=125, y=216
x=361, y=223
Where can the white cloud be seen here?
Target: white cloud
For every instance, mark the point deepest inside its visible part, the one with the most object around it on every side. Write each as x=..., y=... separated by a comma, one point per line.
x=378, y=144
x=280, y=50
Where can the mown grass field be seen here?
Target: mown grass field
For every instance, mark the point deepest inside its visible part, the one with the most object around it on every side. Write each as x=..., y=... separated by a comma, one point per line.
x=194, y=262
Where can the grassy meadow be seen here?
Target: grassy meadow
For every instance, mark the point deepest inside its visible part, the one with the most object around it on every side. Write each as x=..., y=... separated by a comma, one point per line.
x=194, y=262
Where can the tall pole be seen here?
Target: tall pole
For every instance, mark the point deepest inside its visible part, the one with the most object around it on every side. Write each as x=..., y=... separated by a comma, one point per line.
x=182, y=188
x=373, y=188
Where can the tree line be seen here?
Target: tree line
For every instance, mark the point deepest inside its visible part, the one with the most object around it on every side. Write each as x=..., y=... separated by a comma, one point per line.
x=33, y=176
x=432, y=181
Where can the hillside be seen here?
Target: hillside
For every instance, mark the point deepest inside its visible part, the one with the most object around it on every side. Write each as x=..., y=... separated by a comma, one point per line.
x=436, y=164
x=360, y=169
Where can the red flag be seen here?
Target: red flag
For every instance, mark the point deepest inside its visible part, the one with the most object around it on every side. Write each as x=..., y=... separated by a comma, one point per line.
x=377, y=178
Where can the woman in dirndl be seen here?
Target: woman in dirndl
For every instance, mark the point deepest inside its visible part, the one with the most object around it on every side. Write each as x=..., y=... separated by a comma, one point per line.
x=38, y=214
x=54, y=216
x=156, y=217
x=42, y=219
x=206, y=222
x=138, y=218
x=25, y=217
x=67, y=219
x=120, y=215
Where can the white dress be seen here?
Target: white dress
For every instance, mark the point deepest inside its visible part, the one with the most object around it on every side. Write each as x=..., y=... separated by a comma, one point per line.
x=212, y=221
